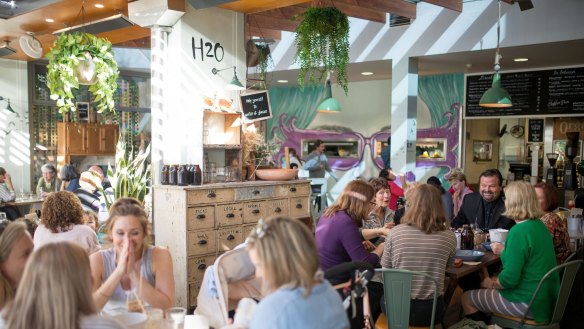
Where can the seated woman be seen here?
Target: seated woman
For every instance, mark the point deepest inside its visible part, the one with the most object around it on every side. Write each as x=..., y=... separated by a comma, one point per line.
x=69, y=178
x=460, y=189
x=396, y=191
x=296, y=295
x=56, y=271
x=131, y=265
x=338, y=239
x=49, y=182
x=380, y=219
x=423, y=243
x=15, y=247
x=549, y=199
x=62, y=220
x=528, y=255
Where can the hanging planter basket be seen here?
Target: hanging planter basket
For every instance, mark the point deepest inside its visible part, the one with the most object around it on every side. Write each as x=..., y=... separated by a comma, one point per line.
x=82, y=58
x=322, y=45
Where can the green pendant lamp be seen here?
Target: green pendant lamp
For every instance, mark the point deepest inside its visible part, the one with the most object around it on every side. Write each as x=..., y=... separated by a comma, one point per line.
x=496, y=96
x=329, y=104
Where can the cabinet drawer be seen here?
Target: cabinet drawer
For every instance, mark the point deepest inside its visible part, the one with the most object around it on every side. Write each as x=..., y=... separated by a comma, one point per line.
x=247, y=230
x=201, y=217
x=201, y=242
x=253, y=211
x=278, y=207
x=196, y=197
x=229, y=238
x=291, y=190
x=228, y=214
x=197, y=267
x=253, y=193
x=194, y=288
x=299, y=207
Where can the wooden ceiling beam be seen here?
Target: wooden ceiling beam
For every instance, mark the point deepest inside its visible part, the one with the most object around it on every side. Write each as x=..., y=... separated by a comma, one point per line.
x=262, y=22
x=354, y=11
x=256, y=31
x=256, y=6
x=397, y=7
x=455, y=5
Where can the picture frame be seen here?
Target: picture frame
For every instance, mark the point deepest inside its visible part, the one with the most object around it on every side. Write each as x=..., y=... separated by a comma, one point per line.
x=482, y=150
x=83, y=111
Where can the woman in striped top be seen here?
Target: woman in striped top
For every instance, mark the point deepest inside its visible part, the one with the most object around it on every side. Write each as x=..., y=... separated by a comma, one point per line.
x=423, y=243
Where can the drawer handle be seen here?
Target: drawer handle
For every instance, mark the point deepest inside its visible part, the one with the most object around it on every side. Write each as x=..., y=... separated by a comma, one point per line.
x=202, y=242
x=278, y=209
x=202, y=266
x=298, y=206
x=200, y=216
x=292, y=189
x=230, y=215
x=230, y=237
x=255, y=211
x=211, y=195
x=256, y=192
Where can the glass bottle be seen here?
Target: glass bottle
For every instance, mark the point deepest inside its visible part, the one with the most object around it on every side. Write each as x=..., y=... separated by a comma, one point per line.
x=191, y=174
x=560, y=169
x=466, y=238
x=198, y=175
x=164, y=175
x=182, y=176
x=172, y=175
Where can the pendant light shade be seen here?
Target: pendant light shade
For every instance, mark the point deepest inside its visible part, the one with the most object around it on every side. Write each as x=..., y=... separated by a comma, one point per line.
x=329, y=104
x=496, y=96
x=235, y=84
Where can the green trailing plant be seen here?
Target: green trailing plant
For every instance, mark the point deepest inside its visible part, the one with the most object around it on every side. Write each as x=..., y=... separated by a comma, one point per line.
x=130, y=175
x=322, y=45
x=68, y=51
x=264, y=60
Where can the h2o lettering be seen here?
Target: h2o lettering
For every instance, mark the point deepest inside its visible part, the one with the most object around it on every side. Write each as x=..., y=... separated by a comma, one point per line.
x=207, y=49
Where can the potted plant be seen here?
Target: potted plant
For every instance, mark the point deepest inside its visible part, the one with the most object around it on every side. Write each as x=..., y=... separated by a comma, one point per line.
x=70, y=58
x=257, y=152
x=322, y=45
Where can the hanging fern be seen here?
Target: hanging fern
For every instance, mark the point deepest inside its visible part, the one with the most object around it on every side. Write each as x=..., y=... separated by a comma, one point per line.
x=322, y=45
x=67, y=52
x=264, y=60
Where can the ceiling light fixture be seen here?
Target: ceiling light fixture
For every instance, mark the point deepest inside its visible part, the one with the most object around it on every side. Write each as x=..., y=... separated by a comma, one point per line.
x=49, y=20
x=99, y=5
x=8, y=107
x=366, y=73
x=282, y=81
x=521, y=59
x=496, y=96
x=235, y=84
x=329, y=104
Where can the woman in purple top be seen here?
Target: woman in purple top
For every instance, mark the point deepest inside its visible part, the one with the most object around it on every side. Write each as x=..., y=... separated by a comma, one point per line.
x=338, y=239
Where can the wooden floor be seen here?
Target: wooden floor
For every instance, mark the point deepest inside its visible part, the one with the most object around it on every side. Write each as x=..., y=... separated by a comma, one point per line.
x=452, y=316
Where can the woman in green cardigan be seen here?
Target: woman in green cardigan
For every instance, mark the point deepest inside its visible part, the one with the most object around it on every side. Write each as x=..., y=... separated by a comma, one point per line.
x=527, y=256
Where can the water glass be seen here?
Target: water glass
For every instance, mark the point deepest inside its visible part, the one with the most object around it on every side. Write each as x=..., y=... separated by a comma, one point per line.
x=196, y=321
x=176, y=316
x=155, y=318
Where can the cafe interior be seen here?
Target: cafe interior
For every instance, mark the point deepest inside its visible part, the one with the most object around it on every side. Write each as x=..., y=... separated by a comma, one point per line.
x=193, y=73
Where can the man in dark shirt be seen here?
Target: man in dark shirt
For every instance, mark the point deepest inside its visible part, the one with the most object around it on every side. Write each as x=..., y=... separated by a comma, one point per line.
x=485, y=207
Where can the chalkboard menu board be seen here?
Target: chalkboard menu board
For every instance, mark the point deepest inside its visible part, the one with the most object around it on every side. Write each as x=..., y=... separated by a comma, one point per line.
x=535, y=131
x=256, y=106
x=534, y=93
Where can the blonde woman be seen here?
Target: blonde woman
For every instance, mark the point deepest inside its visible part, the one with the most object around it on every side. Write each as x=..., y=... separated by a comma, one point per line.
x=528, y=255
x=422, y=243
x=62, y=220
x=459, y=186
x=57, y=294
x=131, y=266
x=15, y=248
x=284, y=254
x=338, y=239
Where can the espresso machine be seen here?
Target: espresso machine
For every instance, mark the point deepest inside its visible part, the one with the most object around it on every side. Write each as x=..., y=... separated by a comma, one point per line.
x=570, y=182
x=552, y=173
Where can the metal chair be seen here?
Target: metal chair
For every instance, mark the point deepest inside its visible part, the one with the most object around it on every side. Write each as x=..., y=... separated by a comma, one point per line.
x=397, y=285
x=570, y=269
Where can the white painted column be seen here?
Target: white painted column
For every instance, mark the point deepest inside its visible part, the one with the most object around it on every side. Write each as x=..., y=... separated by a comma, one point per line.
x=404, y=104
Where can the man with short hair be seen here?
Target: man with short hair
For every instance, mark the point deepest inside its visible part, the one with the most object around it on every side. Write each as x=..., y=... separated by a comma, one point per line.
x=317, y=163
x=485, y=207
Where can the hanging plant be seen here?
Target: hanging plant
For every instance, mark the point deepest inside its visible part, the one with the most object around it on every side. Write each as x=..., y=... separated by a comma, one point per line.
x=322, y=45
x=79, y=51
x=264, y=60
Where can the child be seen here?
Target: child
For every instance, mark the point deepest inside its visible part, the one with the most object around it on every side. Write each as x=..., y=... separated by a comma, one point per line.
x=90, y=219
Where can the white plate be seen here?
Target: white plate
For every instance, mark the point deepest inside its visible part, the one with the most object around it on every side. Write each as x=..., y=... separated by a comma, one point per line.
x=131, y=319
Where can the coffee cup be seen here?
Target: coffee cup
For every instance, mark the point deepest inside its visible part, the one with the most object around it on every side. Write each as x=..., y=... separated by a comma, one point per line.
x=498, y=235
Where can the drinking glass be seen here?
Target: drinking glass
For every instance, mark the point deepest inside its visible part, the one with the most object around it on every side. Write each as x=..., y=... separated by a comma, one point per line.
x=155, y=318
x=39, y=191
x=176, y=316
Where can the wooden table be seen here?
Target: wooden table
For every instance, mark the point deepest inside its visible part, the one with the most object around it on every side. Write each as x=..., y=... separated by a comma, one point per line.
x=25, y=202
x=455, y=273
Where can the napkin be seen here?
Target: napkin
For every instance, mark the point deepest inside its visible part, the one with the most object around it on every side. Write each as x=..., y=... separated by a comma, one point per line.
x=472, y=263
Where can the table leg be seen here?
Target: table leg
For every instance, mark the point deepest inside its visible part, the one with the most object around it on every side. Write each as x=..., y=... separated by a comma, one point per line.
x=450, y=288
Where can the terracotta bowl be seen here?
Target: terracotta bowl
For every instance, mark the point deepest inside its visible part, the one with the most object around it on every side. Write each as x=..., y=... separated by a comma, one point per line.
x=276, y=174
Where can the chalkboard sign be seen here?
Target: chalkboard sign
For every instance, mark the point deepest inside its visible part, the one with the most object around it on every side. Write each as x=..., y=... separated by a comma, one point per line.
x=534, y=93
x=256, y=106
x=535, y=131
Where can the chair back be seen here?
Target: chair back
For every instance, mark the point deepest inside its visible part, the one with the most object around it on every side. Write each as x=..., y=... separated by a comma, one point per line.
x=397, y=286
x=570, y=269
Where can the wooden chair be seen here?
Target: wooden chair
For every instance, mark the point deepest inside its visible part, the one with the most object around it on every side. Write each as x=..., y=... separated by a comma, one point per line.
x=570, y=269
x=397, y=285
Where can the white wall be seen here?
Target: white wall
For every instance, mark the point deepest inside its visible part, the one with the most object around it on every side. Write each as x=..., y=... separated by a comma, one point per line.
x=14, y=131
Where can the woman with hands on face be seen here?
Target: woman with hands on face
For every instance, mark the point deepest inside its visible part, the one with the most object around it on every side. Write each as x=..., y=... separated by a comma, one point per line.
x=380, y=219
x=131, y=265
